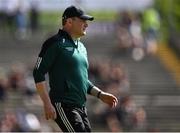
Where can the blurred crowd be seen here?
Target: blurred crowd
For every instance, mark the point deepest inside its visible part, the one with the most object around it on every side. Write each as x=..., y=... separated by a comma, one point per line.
x=127, y=116
x=20, y=121
x=18, y=16
x=19, y=102
x=138, y=32
x=109, y=76
x=17, y=78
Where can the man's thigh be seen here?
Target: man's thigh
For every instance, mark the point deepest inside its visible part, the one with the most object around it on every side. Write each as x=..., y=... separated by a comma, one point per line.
x=70, y=119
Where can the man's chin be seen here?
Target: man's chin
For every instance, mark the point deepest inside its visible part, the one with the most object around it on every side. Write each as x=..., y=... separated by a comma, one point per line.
x=84, y=33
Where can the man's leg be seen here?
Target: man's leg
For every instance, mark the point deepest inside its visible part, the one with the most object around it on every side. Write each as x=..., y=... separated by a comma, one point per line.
x=69, y=119
x=86, y=120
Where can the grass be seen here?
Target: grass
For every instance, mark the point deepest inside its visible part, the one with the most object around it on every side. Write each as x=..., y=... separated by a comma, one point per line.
x=104, y=15
x=49, y=19
x=54, y=18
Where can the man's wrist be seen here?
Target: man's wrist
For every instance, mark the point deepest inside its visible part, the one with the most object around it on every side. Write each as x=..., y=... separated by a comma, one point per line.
x=95, y=92
x=99, y=93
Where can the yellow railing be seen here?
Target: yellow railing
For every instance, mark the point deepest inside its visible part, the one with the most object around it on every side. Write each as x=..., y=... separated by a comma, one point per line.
x=170, y=60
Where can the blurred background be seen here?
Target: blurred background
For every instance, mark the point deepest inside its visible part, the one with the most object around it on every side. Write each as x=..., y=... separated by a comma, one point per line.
x=134, y=53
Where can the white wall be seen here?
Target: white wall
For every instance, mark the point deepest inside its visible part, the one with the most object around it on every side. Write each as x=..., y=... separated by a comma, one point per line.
x=91, y=4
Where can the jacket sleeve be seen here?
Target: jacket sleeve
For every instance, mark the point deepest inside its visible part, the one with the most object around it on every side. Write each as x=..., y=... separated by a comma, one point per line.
x=45, y=60
x=90, y=86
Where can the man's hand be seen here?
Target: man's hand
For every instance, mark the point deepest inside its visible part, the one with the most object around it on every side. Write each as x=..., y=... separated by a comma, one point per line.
x=109, y=99
x=50, y=112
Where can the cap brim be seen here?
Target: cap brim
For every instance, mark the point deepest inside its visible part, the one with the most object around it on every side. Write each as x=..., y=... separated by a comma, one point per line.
x=87, y=17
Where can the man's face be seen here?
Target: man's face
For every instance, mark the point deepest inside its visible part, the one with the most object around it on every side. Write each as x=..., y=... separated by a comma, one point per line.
x=79, y=26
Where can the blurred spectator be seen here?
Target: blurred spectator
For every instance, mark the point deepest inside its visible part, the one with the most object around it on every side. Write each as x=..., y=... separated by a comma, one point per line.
x=3, y=89
x=9, y=123
x=119, y=79
x=21, y=19
x=124, y=19
x=140, y=120
x=16, y=77
x=3, y=85
x=3, y=15
x=113, y=123
x=124, y=39
x=10, y=9
x=126, y=116
x=21, y=121
x=138, y=31
x=135, y=29
x=28, y=122
x=110, y=76
x=138, y=51
x=151, y=26
x=123, y=35
x=29, y=87
x=34, y=15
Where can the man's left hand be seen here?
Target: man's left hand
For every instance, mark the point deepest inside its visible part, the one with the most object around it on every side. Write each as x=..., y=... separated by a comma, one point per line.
x=109, y=99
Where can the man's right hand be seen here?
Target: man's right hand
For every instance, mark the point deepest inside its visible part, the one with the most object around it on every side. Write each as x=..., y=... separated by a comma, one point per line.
x=50, y=112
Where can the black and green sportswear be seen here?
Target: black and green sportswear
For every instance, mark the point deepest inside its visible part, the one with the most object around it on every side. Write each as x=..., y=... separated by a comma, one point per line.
x=66, y=63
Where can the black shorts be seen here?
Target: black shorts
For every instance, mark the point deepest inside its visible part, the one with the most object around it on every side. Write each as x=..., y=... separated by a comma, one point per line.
x=71, y=118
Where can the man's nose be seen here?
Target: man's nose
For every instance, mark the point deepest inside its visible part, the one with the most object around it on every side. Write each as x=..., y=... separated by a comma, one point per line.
x=86, y=24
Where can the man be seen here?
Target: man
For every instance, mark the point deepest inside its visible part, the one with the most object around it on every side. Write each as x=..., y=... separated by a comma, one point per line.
x=64, y=57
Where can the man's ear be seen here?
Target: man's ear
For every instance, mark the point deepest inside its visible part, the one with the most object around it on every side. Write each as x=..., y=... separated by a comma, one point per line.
x=69, y=21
